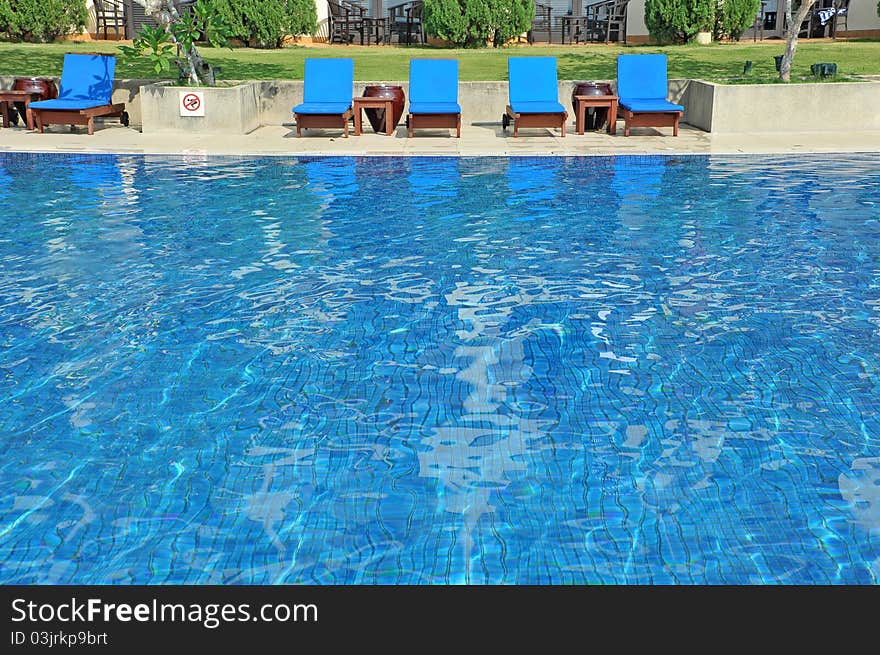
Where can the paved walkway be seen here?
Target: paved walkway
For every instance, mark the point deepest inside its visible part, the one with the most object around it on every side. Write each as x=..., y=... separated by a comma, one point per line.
x=476, y=140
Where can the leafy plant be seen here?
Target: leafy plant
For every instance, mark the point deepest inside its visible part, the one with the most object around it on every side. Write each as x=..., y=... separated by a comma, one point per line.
x=154, y=44
x=734, y=16
x=174, y=42
x=678, y=21
x=473, y=23
x=265, y=23
x=41, y=20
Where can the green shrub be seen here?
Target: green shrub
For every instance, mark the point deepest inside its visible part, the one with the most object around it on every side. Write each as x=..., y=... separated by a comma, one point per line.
x=678, y=20
x=41, y=20
x=265, y=23
x=734, y=16
x=302, y=17
x=473, y=23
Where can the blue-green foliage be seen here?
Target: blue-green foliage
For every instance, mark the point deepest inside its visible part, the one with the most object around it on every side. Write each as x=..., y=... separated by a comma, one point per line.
x=265, y=23
x=679, y=21
x=474, y=23
x=734, y=16
x=41, y=20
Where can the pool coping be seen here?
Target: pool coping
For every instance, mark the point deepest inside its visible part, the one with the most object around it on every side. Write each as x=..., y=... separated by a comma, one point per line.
x=483, y=140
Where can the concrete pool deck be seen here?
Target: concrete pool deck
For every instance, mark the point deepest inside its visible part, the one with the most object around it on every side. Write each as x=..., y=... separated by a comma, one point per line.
x=476, y=140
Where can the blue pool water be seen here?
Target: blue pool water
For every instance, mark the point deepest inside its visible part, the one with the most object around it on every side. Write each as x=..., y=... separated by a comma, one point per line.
x=600, y=370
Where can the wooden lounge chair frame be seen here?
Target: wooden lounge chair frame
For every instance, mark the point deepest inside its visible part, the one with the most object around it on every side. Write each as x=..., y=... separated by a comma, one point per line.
x=305, y=121
x=43, y=117
x=433, y=85
x=650, y=119
x=328, y=83
x=427, y=121
x=79, y=116
x=551, y=120
x=643, y=88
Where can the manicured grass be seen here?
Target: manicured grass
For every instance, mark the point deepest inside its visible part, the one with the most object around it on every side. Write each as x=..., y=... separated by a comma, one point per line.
x=718, y=62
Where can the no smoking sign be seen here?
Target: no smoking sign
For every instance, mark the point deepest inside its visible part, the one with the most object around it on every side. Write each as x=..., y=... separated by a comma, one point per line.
x=192, y=103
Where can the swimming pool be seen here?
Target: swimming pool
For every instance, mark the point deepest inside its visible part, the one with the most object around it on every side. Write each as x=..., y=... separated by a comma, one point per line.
x=428, y=370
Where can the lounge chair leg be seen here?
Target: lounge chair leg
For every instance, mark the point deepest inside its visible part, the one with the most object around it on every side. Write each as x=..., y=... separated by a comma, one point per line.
x=299, y=132
x=345, y=128
x=626, y=128
x=564, y=121
x=515, y=129
x=39, y=118
x=675, y=127
x=91, y=126
x=458, y=128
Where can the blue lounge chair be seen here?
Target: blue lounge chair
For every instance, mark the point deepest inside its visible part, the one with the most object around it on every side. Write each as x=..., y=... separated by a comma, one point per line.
x=534, y=94
x=642, y=87
x=326, y=95
x=86, y=87
x=433, y=95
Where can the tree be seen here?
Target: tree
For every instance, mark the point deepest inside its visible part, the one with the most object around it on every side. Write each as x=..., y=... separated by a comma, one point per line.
x=473, y=23
x=41, y=20
x=174, y=41
x=678, y=21
x=793, y=27
x=265, y=23
x=734, y=16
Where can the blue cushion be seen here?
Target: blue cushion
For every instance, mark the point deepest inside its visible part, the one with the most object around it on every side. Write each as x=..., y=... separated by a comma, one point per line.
x=87, y=78
x=67, y=105
x=649, y=104
x=549, y=107
x=322, y=108
x=433, y=81
x=328, y=81
x=434, y=108
x=642, y=76
x=532, y=79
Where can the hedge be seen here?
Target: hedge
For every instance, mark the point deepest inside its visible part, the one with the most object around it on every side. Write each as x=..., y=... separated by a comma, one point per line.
x=41, y=20
x=265, y=23
x=474, y=23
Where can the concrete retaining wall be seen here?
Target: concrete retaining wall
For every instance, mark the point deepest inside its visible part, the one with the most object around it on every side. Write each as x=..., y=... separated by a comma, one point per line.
x=821, y=107
x=481, y=102
x=228, y=110
x=718, y=108
x=127, y=91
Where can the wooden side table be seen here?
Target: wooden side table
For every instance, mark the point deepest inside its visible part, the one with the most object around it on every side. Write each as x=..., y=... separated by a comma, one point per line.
x=599, y=102
x=361, y=102
x=8, y=97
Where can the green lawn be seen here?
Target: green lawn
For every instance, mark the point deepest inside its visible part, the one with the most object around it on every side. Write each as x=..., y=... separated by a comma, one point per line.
x=718, y=62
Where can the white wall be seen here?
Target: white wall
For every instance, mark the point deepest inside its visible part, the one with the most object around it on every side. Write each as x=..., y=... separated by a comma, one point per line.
x=635, y=20
x=862, y=16
x=90, y=23
x=323, y=12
